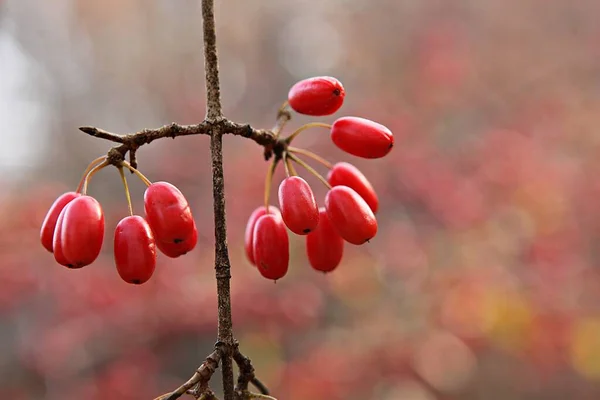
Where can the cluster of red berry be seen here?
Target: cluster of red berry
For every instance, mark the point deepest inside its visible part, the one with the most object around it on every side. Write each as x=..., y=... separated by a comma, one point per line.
x=73, y=228
x=350, y=203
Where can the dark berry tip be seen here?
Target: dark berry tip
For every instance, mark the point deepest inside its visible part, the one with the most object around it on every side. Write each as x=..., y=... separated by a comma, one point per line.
x=136, y=282
x=306, y=230
x=337, y=92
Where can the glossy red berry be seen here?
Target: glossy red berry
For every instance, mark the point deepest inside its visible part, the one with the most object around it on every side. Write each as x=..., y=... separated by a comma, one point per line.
x=174, y=250
x=49, y=224
x=82, y=231
x=57, y=245
x=270, y=247
x=299, y=208
x=324, y=246
x=318, y=96
x=362, y=137
x=350, y=215
x=169, y=216
x=249, y=234
x=134, y=250
x=346, y=174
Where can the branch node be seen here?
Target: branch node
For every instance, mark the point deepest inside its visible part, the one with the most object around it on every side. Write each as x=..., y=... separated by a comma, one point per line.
x=221, y=273
x=248, y=131
x=116, y=155
x=175, y=128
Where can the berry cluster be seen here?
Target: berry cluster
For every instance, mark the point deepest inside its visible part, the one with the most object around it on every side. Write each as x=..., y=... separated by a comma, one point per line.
x=73, y=228
x=350, y=203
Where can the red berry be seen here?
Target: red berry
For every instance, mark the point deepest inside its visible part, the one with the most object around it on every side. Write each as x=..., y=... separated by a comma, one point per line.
x=169, y=216
x=270, y=247
x=350, y=215
x=82, y=231
x=174, y=250
x=362, y=137
x=346, y=174
x=49, y=224
x=248, y=235
x=57, y=245
x=134, y=249
x=324, y=246
x=299, y=208
x=318, y=96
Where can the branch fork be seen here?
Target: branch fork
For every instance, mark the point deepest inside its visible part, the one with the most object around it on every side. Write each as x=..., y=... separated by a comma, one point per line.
x=197, y=385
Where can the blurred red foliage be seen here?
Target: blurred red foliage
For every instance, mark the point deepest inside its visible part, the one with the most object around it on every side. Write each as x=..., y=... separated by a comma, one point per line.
x=481, y=283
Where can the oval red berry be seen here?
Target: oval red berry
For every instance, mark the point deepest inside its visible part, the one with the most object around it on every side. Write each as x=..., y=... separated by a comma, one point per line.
x=324, y=246
x=318, y=96
x=82, y=231
x=134, y=250
x=346, y=174
x=49, y=224
x=168, y=214
x=350, y=215
x=271, y=247
x=176, y=249
x=57, y=245
x=248, y=234
x=298, y=205
x=362, y=137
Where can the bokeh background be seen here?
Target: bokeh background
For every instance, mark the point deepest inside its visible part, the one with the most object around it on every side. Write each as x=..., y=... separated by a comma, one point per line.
x=483, y=281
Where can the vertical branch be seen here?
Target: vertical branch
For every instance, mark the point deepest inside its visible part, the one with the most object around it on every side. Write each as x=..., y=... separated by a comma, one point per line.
x=222, y=263
x=211, y=64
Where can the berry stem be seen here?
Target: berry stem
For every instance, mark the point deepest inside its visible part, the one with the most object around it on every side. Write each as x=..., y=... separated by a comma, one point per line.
x=268, y=181
x=87, y=171
x=286, y=165
x=283, y=116
x=305, y=127
x=289, y=167
x=312, y=155
x=127, y=195
x=310, y=169
x=90, y=174
x=146, y=181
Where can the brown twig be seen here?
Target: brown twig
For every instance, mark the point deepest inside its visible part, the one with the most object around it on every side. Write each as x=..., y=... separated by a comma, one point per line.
x=132, y=141
x=222, y=263
x=247, y=374
x=201, y=377
x=259, y=385
x=211, y=62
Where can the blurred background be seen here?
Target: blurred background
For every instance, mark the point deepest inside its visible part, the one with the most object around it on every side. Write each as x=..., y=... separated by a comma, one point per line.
x=483, y=281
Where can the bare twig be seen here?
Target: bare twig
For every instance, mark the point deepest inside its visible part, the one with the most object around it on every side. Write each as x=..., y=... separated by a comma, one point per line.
x=201, y=376
x=247, y=374
x=211, y=63
x=259, y=385
x=132, y=141
x=222, y=262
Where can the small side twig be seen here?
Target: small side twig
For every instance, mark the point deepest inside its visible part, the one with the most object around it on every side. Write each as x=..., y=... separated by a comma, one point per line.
x=247, y=374
x=132, y=141
x=201, y=377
